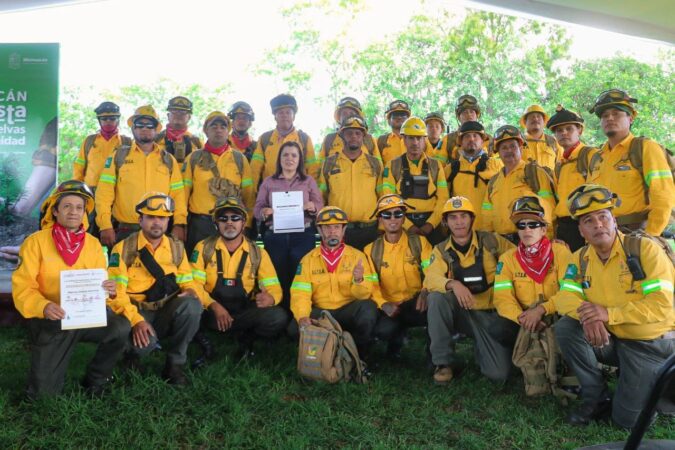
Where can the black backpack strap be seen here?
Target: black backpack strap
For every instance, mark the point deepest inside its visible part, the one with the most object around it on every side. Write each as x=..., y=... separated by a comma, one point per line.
x=150, y=264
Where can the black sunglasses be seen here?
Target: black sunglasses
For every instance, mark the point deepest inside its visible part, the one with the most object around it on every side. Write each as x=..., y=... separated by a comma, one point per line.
x=389, y=214
x=232, y=218
x=530, y=225
x=149, y=126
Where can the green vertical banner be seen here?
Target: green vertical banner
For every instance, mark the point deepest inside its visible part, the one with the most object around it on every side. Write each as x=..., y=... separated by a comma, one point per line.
x=29, y=102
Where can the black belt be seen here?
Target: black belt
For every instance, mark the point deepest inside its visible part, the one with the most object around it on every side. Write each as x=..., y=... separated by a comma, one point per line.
x=361, y=225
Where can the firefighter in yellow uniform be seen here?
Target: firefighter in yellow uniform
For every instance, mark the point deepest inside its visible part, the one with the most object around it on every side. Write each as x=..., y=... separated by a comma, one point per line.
x=44, y=255
x=540, y=146
x=420, y=180
x=459, y=279
x=398, y=259
x=177, y=139
x=264, y=159
x=96, y=148
x=241, y=117
x=617, y=301
x=131, y=171
x=436, y=126
x=350, y=180
x=635, y=168
x=155, y=288
x=391, y=144
x=216, y=171
x=335, y=277
x=516, y=179
x=332, y=143
x=469, y=174
x=236, y=280
x=570, y=171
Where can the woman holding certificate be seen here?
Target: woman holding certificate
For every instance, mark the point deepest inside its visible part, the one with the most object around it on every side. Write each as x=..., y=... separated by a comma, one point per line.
x=287, y=202
x=64, y=246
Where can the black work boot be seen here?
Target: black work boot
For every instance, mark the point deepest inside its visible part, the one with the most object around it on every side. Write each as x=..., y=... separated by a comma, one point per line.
x=245, y=348
x=174, y=374
x=588, y=412
x=97, y=389
x=208, y=352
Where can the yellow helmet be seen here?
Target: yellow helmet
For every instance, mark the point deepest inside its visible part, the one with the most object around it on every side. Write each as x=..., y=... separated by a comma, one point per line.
x=330, y=215
x=354, y=122
x=397, y=105
x=156, y=204
x=390, y=201
x=458, y=204
x=74, y=187
x=217, y=115
x=588, y=198
x=228, y=203
x=147, y=112
x=467, y=101
x=349, y=103
x=527, y=207
x=414, y=126
x=614, y=98
x=437, y=116
x=506, y=132
x=533, y=109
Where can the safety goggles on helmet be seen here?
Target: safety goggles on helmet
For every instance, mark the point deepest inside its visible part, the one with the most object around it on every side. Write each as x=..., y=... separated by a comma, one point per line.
x=222, y=204
x=528, y=204
x=613, y=97
x=582, y=199
x=332, y=215
x=399, y=105
x=354, y=122
x=467, y=101
x=507, y=132
x=156, y=203
x=349, y=102
x=74, y=187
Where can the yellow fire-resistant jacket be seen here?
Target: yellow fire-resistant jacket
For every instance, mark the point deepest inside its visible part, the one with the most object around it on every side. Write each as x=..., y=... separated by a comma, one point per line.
x=465, y=184
x=569, y=178
x=441, y=153
x=496, y=208
x=618, y=174
x=352, y=186
x=433, y=205
x=400, y=275
x=515, y=291
x=393, y=148
x=539, y=150
x=639, y=310
x=88, y=168
x=196, y=182
x=120, y=191
x=206, y=274
x=339, y=144
x=439, y=273
x=314, y=286
x=37, y=279
x=134, y=280
x=264, y=163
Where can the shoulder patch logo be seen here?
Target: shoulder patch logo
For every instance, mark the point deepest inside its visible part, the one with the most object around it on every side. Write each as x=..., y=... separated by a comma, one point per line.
x=385, y=173
x=500, y=266
x=571, y=272
x=194, y=256
x=298, y=271
x=114, y=260
x=108, y=162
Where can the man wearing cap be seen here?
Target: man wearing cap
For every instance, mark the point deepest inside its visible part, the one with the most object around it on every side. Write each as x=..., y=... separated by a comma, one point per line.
x=131, y=171
x=469, y=174
x=617, y=309
x=516, y=179
x=264, y=159
x=177, y=140
x=459, y=278
x=155, y=288
x=539, y=146
x=391, y=144
x=398, y=259
x=44, y=255
x=435, y=127
x=96, y=148
x=241, y=117
x=420, y=180
x=213, y=172
x=350, y=181
x=635, y=168
x=335, y=277
x=236, y=280
x=570, y=171
x=333, y=142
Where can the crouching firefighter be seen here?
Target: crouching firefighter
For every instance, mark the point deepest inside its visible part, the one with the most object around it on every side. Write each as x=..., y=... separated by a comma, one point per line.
x=155, y=289
x=236, y=282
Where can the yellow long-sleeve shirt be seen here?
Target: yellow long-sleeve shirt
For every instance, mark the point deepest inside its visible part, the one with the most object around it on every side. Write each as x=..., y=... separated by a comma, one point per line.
x=205, y=274
x=439, y=273
x=618, y=174
x=399, y=277
x=393, y=147
x=515, y=292
x=37, y=280
x=264, y=163
x=434, y=205
x=569, y=178
x=132, y=281
x=338, y=145
x=352, y=186
x=539, y=150
x=639, y=310
x=313, y=285
x=496, y=208
x=119, y=191
x=88, y=167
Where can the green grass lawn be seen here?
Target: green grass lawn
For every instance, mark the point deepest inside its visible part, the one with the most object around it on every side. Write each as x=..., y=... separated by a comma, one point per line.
x=264, y=404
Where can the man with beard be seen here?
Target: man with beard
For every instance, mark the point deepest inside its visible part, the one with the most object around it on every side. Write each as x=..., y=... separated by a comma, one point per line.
x=540, y=147
x=141, y=167
x=155, y=288
x=391, y=144
x=177, y=140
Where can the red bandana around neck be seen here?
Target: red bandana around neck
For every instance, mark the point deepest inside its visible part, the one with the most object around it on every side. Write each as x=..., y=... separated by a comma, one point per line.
x=536, y=259
x=568, y=153
x=241, y=143
x=69, y=244
x=108, y=131
x=216, y=150
x=332, y=257
x=174, y=135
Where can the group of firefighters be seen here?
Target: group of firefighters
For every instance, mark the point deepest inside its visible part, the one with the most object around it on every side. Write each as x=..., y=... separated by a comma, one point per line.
x=496, y=237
